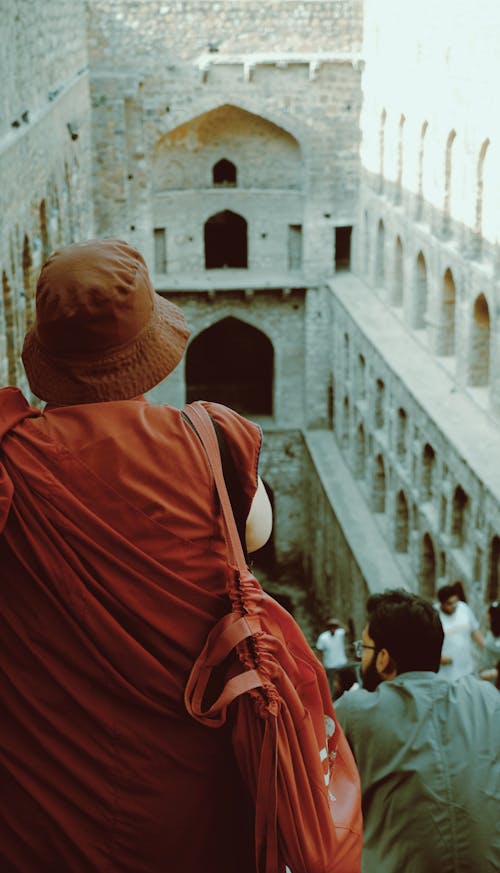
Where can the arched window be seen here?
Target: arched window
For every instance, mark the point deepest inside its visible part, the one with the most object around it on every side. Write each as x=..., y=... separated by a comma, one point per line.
x=423, y=132
x=428, y=462
x=44, y=231
x=401, y=434
x=402, y=523
x=401, y=128
x=379, y=404
x=427, y=568
x=359, y=461
x=479, y=191
x=379, y=485
x=345, y=423
x=446, y=344
x=494, y=570
x=383, y=119
x=224, y=174
x=380, y=255
x=479, y=364
x=28, y=284
x=420, y=307
x=447, y=173
x=460, y=501
x=397, y=282
x=225, y=241
x=232, y=363
x=10, y=337
x=360, y=386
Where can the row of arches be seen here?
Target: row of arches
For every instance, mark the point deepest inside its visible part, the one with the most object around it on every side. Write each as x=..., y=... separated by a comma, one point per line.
x=423, y=168
x=54, y=221
x=408, y=285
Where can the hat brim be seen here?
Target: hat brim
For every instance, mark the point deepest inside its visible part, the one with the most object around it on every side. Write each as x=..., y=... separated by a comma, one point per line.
x=117, y=374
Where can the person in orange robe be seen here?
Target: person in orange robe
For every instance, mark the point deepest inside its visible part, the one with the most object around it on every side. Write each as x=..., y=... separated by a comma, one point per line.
x=113, y=571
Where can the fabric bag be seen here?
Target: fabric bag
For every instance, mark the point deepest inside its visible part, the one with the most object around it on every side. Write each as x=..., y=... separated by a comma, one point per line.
x=291, y=751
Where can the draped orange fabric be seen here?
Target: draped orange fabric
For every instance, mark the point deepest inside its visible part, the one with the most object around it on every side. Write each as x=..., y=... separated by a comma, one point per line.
x=112, y=573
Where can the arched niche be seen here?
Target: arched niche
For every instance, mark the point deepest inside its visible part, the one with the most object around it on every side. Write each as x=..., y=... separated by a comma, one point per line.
x=427, y=568
x=402, y=523
x=226, y=242
x=184, y=157
x=232, y=363
x=479, y=352
x=224, y=174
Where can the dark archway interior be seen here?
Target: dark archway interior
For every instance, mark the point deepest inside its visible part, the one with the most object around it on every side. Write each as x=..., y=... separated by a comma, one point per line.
x=232, y=363
x=224, y=173
x=226, y=241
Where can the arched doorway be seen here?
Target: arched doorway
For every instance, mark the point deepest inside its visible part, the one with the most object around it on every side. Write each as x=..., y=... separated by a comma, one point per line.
x=232, y=363
x=226, y=241
x=427, y=568
x=402, y=523
x=479, y=367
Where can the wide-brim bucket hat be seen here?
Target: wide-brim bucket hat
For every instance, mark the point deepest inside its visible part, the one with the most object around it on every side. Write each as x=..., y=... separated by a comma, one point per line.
x=101, y=331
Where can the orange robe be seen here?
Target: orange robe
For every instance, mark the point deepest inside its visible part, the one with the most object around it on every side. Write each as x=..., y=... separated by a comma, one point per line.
x=112, y=573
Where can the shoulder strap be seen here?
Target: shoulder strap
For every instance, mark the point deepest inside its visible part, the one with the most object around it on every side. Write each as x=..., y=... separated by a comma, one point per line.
x=202, y=423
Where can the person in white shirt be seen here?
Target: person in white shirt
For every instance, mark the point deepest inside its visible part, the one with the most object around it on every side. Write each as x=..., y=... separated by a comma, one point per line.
x=331, y=643
x=460, y=627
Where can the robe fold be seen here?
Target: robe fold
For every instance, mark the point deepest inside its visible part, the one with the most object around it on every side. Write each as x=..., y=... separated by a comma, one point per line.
x=112, y=573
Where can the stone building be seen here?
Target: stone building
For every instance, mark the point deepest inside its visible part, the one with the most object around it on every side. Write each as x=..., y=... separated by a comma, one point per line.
x=314, y=183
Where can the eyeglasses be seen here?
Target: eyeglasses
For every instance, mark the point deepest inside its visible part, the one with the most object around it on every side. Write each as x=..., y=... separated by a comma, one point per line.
x=358, y=647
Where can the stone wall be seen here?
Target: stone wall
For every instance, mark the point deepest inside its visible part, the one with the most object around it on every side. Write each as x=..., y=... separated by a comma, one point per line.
x=280, y=101
x=45, y=156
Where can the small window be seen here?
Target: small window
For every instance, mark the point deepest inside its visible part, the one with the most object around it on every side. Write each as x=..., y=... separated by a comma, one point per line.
x=342, y=248
x=294, y=247
x=224, y=174
x=160, y=250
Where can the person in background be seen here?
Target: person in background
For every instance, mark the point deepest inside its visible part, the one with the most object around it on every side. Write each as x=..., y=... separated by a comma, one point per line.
x=491, y=650
x=460, y=628
x=460, y=591
x=427, y=750
x=331, y=643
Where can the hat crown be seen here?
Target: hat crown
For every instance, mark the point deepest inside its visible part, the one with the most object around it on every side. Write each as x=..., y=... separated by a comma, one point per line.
x=92, y=296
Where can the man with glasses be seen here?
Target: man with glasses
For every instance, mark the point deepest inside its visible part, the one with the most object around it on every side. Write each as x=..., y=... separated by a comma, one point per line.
x=428, y=751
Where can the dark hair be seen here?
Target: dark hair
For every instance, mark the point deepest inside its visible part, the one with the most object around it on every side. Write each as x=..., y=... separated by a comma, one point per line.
x=447, y=591
x=460, y=590
x=494, y=612
x=408, y=627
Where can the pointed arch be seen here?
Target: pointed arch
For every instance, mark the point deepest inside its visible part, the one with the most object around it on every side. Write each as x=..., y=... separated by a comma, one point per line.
x=398, y=282
x=28, y=283
x=458, y=513
x=427, y=568
x=379, y=485
x=420, y=303
x=479, y=186
x=428, y=468
x=360, y=457
x=402, y=523
x=421, y=155
x=493, y=592
x=479, y=349
x=380, y=255
x=400, y=167
x=448, y=172
x=10, y=329
x=226, y=243
x=224, y=174
x=232, y=362
x=446, y=340
x=383, y=119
